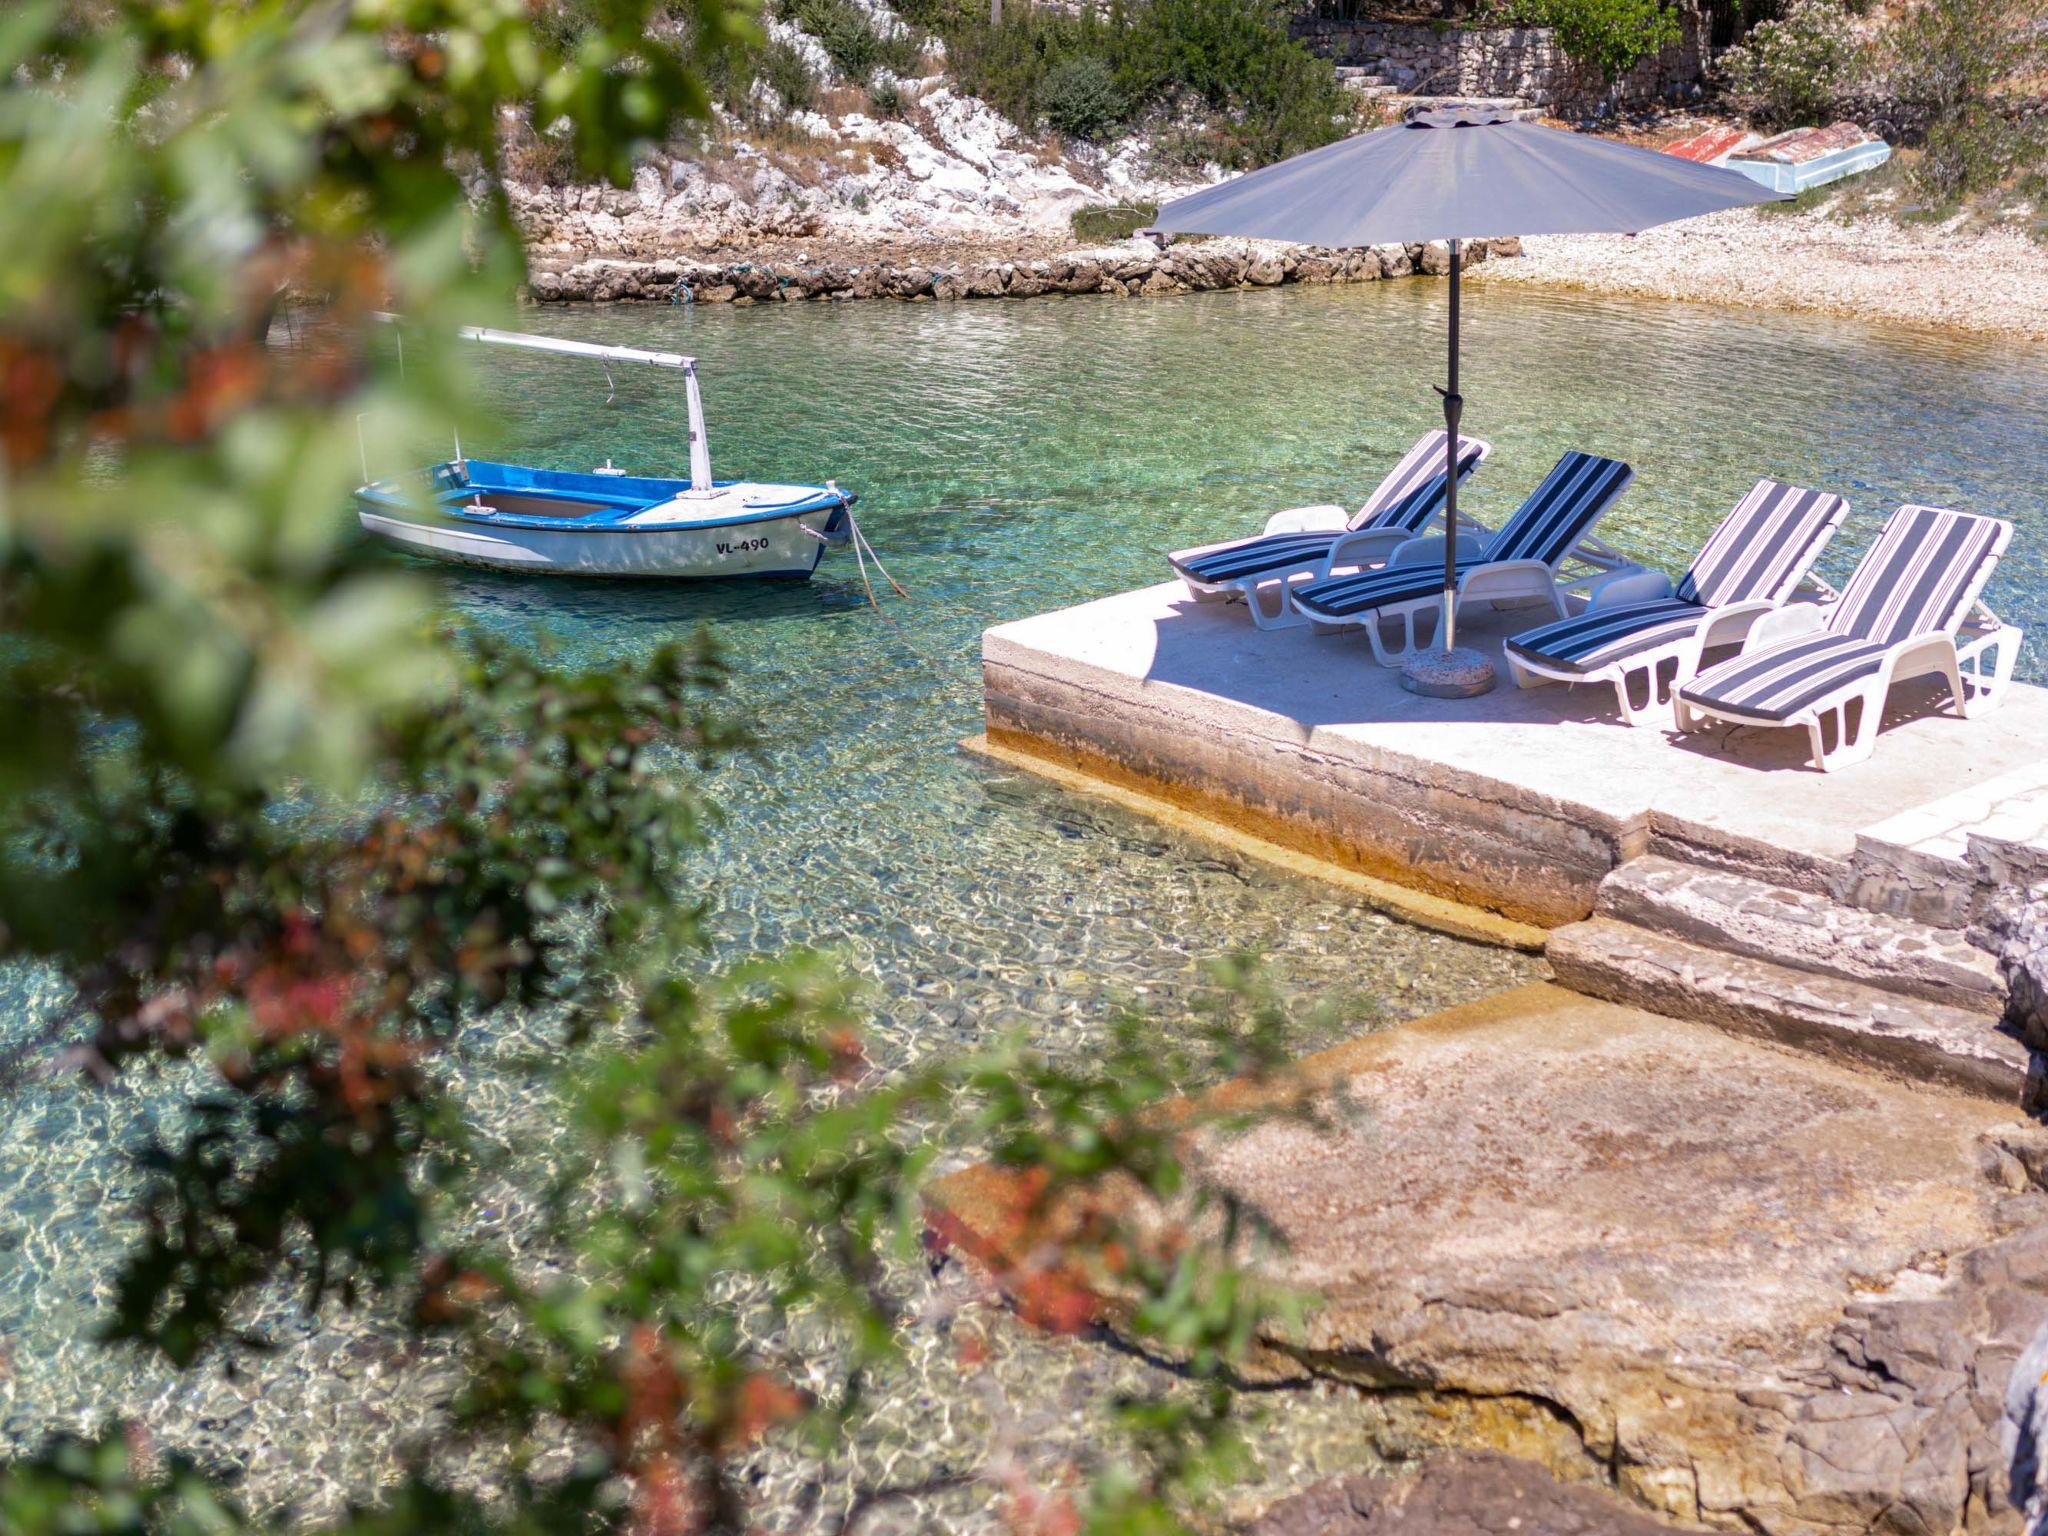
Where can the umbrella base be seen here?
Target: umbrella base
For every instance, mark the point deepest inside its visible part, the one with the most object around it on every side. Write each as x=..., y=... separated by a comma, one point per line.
x=1457, y=674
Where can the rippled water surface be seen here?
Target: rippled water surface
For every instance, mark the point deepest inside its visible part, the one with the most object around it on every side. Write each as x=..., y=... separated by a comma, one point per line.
x=1015, y=457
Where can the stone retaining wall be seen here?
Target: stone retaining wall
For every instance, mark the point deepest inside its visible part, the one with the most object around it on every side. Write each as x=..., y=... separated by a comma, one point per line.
x=1528, y=62
x=1192, y=268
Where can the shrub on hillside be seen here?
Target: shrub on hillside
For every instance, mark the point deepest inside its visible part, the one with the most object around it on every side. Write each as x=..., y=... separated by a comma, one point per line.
x=1962, y=63
x=1257, y=94
x=1106, y=223
x=1793, y=70
x=783, y=68
x=852, y=41
x=1606, y=37
x=1081, y=98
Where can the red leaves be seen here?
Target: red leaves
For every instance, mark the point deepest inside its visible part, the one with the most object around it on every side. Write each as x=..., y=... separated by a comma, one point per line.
x=219, y=382
x=1030, y=1511
x=448, y=1295
x=672, y=1431
x=30, y=386
x=1030, y=1244
x=762, y=1402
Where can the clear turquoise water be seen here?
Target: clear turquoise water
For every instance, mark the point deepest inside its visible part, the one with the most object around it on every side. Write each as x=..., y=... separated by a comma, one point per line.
x=1018, y=457
x=1011, y=458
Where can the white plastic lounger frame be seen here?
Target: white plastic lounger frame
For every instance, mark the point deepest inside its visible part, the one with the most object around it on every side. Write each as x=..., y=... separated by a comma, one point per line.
x=1581, y=489
x=1758, y=575
x=1905, y=613
x=1362, y=540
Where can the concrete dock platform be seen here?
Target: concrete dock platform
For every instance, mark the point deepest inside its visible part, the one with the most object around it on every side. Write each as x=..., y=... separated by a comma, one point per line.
x=1518, y=802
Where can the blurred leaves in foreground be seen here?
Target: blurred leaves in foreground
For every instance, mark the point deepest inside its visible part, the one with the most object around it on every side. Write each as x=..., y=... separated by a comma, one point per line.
x=270, y=814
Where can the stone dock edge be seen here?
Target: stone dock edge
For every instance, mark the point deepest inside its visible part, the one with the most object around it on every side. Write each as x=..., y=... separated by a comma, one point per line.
x=1197, y=815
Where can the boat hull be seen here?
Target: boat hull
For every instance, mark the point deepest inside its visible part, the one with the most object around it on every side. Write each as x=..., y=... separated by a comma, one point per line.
x=784, y=547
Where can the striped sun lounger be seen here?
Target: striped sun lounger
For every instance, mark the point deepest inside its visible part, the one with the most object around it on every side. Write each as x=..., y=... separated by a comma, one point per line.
x=1524, y=560
x=1304, y=543
x=1829, y=667
x=1644, y=636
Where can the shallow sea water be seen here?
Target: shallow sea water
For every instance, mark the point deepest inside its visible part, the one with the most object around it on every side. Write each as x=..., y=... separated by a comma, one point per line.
x=1013, y=458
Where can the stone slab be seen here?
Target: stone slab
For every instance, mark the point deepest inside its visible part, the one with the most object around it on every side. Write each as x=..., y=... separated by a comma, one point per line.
x=1521, y=801
x=1460, y=1493
x=1908, y=1037
x=1938, y=861
x=1741, y=916
x=1770, y=1292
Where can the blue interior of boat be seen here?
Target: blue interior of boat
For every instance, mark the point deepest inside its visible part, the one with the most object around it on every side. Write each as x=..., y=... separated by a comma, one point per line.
x=519, y=496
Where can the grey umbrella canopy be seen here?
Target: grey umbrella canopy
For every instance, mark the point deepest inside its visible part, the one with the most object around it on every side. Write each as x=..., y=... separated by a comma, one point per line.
x=1457, y=174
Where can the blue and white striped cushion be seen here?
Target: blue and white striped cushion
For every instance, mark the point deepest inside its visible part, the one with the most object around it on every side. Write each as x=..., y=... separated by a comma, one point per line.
x=1921, y=577
x=1405, y=501
x=1778, y=682
x=1571, y=499
x=1256, y=556
x=1591, y=640
x=1923, y=573
x=1342, y=596
x=1763, y=547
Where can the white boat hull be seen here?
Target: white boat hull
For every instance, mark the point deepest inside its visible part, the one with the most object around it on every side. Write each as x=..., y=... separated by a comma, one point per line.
x=768, y=547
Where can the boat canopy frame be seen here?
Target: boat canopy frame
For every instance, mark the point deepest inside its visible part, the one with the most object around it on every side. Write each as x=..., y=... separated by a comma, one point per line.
x=701, y=483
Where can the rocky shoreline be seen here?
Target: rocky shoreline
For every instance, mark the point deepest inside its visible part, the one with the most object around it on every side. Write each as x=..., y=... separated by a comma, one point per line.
x=1130, y=269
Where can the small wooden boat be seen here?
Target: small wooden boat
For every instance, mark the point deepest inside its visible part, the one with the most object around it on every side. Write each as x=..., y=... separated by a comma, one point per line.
x=605, y=522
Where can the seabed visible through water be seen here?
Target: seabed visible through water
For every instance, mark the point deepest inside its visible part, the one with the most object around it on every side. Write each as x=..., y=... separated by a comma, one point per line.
x=1015, y=459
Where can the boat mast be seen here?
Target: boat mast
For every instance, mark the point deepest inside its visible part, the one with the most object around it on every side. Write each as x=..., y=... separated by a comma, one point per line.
x=700, y=442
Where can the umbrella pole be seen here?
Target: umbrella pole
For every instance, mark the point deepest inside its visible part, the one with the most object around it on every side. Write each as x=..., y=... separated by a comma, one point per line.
x=1454, y=411
x=1447, y=672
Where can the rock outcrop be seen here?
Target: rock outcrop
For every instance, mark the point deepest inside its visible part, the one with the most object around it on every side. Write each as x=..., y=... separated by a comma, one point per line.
x=1472, y=1493
x=1128, y=270
x=2015, y=927
x=1753, y=1288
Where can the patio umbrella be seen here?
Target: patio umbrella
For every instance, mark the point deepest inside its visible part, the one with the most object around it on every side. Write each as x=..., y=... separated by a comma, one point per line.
x=1458, y=173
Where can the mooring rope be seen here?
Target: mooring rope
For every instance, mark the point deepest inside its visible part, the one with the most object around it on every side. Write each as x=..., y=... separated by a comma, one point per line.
x=863, y=551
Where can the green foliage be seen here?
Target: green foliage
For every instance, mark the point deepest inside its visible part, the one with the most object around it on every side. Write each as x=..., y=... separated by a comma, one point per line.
x=1967, y=65
x=1227, y=65
x=270, y=816
x=1607, y=37
x=1793, y=70
x=1081, y=98
x=887, y=98
x=850, y=38
x=783, y=69
x=1102, y=223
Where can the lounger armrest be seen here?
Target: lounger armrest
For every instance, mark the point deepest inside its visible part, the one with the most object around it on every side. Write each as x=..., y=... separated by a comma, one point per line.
x=1495, y=570
x=1731, y=623
x=1368, y=546
x=1625, y=587
x=1430, y=547
x=1929, y=642
x=1786, y=623
x=1326, y=517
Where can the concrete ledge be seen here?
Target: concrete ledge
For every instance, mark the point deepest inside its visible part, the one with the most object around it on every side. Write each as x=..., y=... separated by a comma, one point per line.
x=1101, y=778
x=1519, y=802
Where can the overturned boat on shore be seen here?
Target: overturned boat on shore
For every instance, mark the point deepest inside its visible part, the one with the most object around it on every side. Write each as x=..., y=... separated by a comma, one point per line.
x=605, y=522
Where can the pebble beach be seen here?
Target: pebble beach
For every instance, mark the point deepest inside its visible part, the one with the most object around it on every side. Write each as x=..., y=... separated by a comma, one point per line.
x=1873, y=269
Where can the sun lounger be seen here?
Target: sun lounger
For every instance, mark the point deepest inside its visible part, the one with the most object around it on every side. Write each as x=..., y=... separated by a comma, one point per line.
x=1304, y=543
x=1526, y=560
x=1911, y=609
x=1644, y=636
